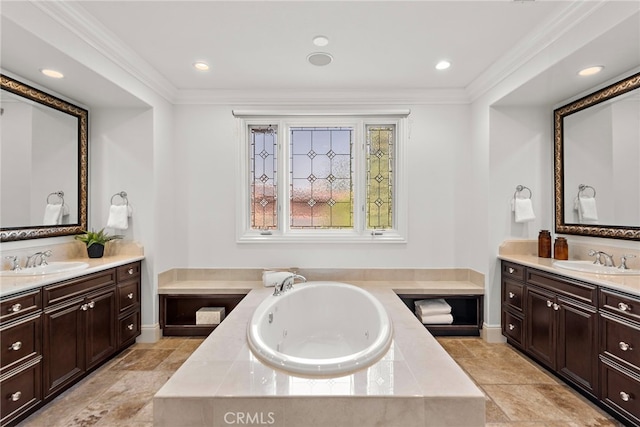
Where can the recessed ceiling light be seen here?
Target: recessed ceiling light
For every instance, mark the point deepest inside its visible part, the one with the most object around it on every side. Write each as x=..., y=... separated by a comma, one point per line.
x=52, y=73
x=201, y=66
x=590, y=71
x=443, y=65
x=320, y=41
x=320, y=59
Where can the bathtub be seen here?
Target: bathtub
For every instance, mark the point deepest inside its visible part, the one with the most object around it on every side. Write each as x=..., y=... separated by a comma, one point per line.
x=320, y=328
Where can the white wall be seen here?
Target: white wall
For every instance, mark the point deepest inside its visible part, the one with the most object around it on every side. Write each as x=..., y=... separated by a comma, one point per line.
x=209, y=167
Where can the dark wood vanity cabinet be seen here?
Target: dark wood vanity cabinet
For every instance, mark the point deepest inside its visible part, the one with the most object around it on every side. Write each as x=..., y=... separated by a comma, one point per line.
x=584, y=333
x=67, y=330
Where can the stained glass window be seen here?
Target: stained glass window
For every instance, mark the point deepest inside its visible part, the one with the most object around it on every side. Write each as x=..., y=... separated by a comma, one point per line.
x=264, y=206
x=321, y=177
x=380, y=141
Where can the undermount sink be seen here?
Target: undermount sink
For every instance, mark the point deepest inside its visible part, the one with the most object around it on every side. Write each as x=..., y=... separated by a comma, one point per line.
x=590, y=267
x=51, y=268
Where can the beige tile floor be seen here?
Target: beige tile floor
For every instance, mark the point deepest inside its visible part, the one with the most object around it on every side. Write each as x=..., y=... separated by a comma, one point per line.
x=519, y=392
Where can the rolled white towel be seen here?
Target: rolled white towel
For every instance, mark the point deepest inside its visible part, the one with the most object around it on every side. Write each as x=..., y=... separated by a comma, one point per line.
x=52, y=214
x=271, y=278
x=118, y=217
x=432, y=306
x=437, y=319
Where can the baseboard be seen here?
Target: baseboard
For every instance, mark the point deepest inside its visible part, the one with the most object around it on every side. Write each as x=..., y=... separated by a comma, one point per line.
x=150, y=333
x=492, y=334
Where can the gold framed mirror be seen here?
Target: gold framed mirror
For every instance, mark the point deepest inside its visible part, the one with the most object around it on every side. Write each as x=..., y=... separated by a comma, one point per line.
x=44, y=164
x=597, y=163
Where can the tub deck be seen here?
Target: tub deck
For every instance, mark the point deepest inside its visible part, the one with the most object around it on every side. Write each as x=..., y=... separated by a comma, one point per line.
x=416, y=383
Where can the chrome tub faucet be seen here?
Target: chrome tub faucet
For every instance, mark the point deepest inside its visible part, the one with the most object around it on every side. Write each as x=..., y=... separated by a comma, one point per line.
x=287, y=284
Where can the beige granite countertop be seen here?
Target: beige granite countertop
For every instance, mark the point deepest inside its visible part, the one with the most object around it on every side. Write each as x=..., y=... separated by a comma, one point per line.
x=10, y=285
x=524, y=253
x=401, y=281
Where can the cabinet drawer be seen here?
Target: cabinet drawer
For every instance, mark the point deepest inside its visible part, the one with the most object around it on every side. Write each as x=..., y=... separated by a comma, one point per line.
x=513, y=294
x=129, y=328
x=66, y=290
x=512, y=327
x=21, y=391
x=20, y=342
x=125, y=272
x=513, y=271
x=20, y=305
x=621, y=391
x=621, y=339
x=128, y=295
x=621, y=304
x=572, y=288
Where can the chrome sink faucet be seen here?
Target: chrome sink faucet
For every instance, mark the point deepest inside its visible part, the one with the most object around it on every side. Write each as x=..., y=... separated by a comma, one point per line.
x=287, y=284
x=32, y=260
x=623, y=261
x=14, y=263
x=608, y=259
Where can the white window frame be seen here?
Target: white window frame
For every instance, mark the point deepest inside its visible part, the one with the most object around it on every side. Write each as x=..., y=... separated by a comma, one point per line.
x=359, y=233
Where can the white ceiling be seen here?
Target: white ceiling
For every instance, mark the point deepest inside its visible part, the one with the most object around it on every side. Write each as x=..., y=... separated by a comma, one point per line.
x=378, y=46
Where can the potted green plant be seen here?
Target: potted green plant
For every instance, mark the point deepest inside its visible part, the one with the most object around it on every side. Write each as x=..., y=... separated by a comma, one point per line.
x=95, y=241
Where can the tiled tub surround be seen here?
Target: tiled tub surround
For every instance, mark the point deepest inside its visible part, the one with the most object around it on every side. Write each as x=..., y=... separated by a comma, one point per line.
x=416, y=383
x=525, y=252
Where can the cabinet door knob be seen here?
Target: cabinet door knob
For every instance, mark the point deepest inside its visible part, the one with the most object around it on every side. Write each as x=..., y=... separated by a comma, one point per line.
x=511, y=326
x=130, y=295
x=549, y=303
x=84, y=307
x=511, y=270
x=91, y=304
x=130, y=271
x=556, y=307
x=16, y=346
x=624, y=346
x=624, y=307
x=625, y=396
x=511, y=295
x=15, y=308
x=130, y=326
x=14, y=397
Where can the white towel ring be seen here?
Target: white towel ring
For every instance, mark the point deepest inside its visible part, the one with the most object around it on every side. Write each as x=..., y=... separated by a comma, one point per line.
x=582, y=188
x=521, y=188
x=123, y=196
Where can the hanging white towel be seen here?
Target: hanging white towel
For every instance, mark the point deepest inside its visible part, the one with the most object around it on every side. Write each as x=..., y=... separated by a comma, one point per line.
x=118, y=217
x=271, y=278
x=432, y=306
x=587, y=209
x=437, y=319
x=523, y=209
x=52, y=214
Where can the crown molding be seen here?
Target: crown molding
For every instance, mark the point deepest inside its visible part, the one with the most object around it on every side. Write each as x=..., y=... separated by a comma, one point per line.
x=81, y=23
x=329, y=97
x=549, y=32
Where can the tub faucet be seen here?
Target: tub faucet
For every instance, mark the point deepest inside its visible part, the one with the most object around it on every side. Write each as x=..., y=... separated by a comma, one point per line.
x=287, y=284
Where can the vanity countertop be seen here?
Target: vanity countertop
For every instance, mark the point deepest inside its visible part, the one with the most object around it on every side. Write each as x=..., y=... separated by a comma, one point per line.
x=10, y=285
x=629, y=284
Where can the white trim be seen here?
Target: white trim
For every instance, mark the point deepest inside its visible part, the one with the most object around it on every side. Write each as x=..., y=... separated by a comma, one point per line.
x=492, y=334
x=355, y=119
x=321, y=113
x=150, y=333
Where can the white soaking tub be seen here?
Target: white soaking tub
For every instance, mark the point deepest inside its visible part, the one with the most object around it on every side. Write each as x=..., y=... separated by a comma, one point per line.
x=320, y=328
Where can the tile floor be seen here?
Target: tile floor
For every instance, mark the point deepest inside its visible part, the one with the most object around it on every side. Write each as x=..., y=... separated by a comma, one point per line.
x=519, y=393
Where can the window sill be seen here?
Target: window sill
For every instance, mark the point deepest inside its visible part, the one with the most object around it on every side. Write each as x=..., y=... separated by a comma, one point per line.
x=325, y=237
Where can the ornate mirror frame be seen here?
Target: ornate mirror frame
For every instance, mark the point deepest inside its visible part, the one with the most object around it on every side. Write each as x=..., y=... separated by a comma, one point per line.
x=607, y=231
x=82, y=115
